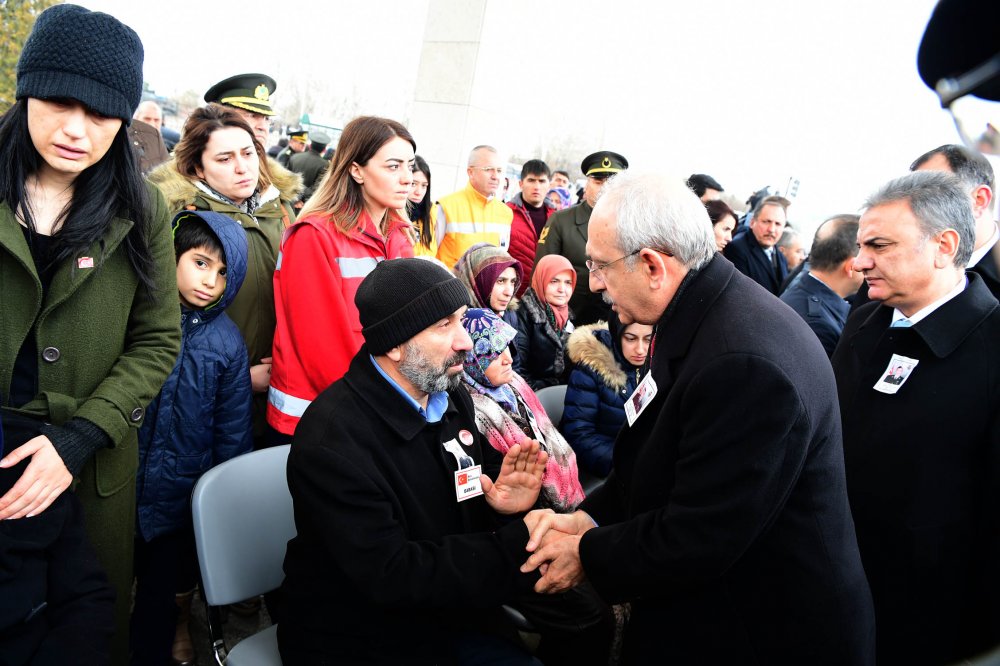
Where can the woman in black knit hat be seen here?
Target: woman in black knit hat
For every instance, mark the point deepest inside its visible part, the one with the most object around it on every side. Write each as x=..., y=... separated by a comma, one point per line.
x=90, y=323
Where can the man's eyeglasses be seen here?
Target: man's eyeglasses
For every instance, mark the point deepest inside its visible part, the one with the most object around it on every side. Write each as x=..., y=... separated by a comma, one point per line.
x=594, y=267
x=497, y=171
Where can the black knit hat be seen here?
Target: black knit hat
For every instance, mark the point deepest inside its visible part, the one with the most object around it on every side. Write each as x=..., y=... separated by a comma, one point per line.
x=402, y=297
x=88, y=56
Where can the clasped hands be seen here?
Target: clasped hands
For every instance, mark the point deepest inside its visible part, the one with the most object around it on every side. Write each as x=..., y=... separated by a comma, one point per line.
x=554, y=544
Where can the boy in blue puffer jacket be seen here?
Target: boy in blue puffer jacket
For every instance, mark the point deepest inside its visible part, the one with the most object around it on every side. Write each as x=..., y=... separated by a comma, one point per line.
x=201, y=417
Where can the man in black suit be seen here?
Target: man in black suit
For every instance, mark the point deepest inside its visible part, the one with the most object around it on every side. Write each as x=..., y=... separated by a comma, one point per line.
x=818, y=296
x=728, y=530
x=754, y=253
x=923, y=462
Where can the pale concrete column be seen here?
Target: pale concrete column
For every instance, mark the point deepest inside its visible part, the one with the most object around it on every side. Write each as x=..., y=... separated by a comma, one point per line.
x=457, y=97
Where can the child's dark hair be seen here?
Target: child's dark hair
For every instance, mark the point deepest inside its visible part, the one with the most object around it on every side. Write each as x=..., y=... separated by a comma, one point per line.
x=192, y=232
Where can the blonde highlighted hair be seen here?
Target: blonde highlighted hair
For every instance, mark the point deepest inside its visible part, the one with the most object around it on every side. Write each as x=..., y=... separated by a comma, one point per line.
x=339, y=196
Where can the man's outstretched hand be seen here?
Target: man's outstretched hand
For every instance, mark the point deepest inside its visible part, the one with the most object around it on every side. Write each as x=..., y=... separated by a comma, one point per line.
x=519, y=481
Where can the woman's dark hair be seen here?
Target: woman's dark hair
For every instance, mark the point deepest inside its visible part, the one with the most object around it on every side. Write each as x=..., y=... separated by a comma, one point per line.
x=193, y=233
x=112, y=187
x=198, y=129
x=717, y=211
x=420, y=214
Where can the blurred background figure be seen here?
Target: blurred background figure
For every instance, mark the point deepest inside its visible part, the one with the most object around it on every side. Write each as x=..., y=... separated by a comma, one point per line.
x=723, y=222
x=419, y=208
x=706, y=187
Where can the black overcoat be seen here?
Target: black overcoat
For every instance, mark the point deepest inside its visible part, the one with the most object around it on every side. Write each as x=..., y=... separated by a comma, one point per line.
x=751, y=260
x=725, y=519
x=387, y=566
x=923, y=474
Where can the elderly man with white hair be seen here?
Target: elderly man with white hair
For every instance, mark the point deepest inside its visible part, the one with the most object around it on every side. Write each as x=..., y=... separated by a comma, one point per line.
x=724, y=522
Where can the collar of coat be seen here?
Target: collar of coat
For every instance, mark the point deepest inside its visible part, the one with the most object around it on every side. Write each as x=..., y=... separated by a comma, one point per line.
x=697, y=293
x=386, y=404
x=586, y=348
x=518, y=200
x=67, y=276
x=179, y=191
x=945, y=329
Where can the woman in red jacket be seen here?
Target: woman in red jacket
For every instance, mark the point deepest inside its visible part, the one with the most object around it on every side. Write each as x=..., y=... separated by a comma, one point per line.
x=355, y=219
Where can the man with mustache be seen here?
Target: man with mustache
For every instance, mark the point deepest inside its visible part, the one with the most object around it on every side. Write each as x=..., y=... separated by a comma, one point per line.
x=727, y=530
x=400, y=554
x=754, y=253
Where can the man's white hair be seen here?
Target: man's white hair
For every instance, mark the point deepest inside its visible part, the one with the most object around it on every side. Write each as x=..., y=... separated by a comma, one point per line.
x=659, y=212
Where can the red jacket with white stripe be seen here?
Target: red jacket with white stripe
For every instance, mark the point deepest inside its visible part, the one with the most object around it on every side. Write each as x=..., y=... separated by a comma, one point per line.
x=318, y=331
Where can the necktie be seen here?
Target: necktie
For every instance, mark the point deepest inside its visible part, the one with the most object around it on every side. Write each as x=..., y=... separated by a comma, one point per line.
x=902, y=323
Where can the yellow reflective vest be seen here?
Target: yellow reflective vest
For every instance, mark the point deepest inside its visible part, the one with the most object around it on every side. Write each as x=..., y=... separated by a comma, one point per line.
x=466, y=217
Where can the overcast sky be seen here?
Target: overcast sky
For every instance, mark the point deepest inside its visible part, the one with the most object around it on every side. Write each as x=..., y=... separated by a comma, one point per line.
x=749, y=92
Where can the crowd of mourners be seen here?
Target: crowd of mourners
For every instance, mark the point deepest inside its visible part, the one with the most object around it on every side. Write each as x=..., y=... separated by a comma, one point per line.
x=752, y=453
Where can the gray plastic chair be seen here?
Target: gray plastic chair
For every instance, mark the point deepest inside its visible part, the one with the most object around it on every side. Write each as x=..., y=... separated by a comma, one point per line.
x=242, y=523
x=552, y=399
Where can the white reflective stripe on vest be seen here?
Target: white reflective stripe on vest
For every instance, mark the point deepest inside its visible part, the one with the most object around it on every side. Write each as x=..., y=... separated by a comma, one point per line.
x=351, y=267
x=287, y=404
x=477, y=228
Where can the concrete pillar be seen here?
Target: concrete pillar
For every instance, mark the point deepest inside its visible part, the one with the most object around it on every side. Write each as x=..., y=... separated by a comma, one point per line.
x=456, y=99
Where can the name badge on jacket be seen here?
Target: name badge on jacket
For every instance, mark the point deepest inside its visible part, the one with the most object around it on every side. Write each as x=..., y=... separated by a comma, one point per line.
x=468, y=483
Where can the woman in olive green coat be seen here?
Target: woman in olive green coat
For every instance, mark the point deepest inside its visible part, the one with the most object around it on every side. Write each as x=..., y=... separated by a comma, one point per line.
x=257, y=194
x=89, y=314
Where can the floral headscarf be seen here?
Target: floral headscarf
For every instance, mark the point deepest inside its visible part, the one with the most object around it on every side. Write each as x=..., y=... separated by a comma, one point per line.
x=490, y=337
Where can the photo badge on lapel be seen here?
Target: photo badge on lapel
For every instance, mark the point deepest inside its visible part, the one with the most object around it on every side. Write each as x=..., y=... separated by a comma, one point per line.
x=640, y=399
x=895, y=374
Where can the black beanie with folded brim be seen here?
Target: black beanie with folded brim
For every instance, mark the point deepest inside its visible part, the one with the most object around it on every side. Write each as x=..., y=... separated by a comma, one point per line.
x=402, y=297
x=91, y=57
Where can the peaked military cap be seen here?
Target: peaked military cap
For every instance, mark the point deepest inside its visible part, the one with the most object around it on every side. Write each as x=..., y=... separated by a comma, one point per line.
x=250, y=92
x=603, y=164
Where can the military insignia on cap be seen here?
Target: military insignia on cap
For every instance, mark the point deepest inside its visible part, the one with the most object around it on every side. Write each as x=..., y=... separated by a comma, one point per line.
x=260, y=92
x=606, y=162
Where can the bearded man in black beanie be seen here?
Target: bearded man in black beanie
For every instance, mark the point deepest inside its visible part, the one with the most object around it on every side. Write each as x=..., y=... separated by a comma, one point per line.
x=402, y=553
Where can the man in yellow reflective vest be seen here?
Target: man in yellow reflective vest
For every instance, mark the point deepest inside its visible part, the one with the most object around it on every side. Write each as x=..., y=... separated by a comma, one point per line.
x=474, y=214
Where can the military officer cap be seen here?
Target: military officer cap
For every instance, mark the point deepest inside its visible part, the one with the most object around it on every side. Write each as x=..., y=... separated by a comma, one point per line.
x=603, y=164
x=298, y=134
x=250, y=92
x=319, y=139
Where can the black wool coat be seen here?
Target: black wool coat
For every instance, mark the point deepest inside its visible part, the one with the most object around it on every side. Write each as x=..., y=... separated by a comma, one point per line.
x=923, y=475
x=725, y=521
x=539, y=349
x=387, y=566
x=751, y=260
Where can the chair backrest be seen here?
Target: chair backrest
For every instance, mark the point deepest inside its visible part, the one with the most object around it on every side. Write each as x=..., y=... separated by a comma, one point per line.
x=552, y=399
x=242, y=523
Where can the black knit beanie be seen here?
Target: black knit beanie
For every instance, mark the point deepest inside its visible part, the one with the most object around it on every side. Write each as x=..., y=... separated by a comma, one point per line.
x=402, y=297
x=88, y=56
